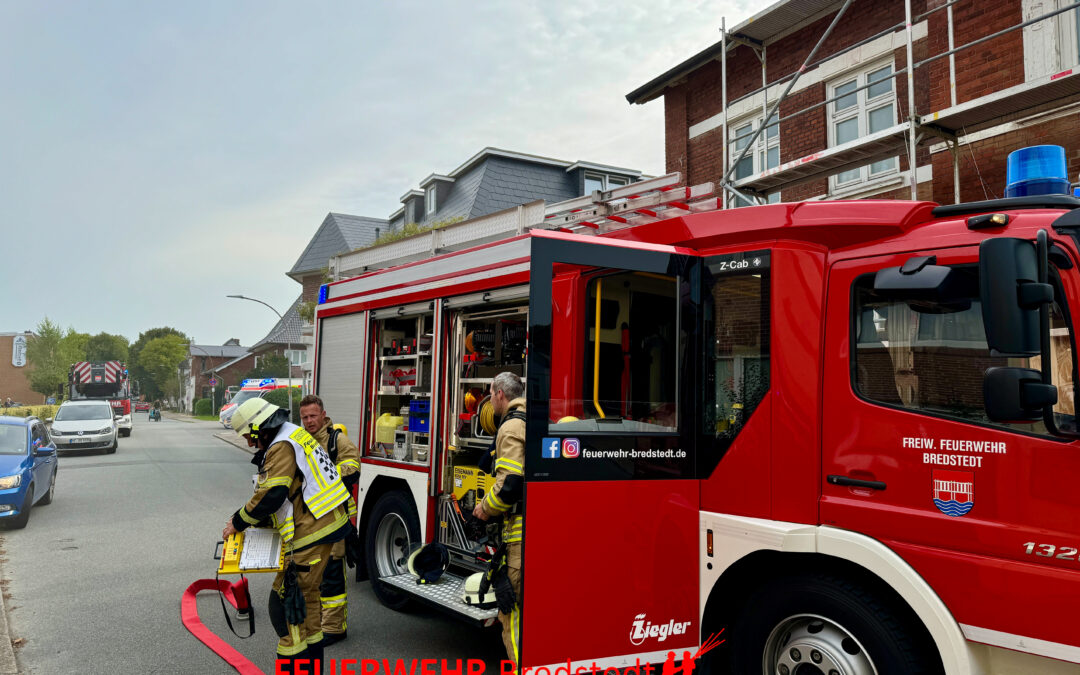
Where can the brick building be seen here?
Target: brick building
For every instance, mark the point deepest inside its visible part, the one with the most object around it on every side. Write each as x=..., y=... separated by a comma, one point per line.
x=227, y=363
x=844, y=129
x=15, y=379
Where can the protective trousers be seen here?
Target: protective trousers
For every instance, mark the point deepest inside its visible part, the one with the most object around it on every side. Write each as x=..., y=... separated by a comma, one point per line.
x=511, y=623
x=303, y=641
x=334, y=594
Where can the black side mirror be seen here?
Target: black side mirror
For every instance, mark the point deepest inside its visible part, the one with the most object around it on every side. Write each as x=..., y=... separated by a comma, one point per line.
x=1012, y=292
x=1016, y=394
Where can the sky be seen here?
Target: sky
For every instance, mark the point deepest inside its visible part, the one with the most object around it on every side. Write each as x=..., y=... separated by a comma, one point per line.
x=155, y=157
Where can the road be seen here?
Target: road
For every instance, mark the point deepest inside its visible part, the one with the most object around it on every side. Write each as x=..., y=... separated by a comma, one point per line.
x=93, y=584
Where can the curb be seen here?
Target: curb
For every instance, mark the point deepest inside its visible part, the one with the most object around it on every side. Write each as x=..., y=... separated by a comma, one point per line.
x=177, y=417
x=232, y=439
x=8, y=664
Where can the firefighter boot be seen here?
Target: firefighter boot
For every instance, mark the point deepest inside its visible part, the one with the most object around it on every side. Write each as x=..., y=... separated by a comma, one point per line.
x=315, y=654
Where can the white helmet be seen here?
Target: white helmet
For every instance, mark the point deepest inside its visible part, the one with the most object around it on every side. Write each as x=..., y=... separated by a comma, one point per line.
x=471, y=594
x=251, y=413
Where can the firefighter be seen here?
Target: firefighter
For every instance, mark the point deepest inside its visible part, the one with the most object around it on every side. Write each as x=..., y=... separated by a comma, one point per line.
x=503, y=501
x=298, y=491
x=345, y=455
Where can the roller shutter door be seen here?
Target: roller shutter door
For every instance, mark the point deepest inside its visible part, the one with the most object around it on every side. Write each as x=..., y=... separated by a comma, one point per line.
x=341, y=369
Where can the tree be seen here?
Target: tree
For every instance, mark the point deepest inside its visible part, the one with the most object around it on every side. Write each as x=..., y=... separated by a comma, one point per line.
x=136, y=371
x=271, y=365
x=106, y=347
x=47, y=372
x=51, y=353
x=159, y=359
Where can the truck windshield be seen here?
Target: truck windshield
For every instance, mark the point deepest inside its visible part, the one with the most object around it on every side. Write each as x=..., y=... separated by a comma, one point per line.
x=245, y=395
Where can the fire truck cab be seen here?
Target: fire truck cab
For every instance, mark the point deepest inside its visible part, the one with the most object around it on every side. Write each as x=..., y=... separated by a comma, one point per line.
x=841, y=435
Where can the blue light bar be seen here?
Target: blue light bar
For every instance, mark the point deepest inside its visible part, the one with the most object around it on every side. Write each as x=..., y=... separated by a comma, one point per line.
x=324, y=291
x=1038, y=170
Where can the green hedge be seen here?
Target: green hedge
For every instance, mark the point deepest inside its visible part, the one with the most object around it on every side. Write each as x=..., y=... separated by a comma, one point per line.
x=204, y=406
x=280, y=398
x=41, y=411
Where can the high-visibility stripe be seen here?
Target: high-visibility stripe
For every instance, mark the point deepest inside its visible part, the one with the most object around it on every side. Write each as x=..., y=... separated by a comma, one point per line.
x=316, y=471
x=274, y=482
x=348, y=462
x=334, y=601
x=352, y=508
x=297, y=645
x=515, y=633
x=324, y=503
x=321, y=532
x=247, y=518
x=510, y=465
x=315, y=639
x=494, y=502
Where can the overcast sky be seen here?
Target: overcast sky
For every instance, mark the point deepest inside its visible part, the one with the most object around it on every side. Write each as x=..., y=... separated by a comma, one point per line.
x=157, y=156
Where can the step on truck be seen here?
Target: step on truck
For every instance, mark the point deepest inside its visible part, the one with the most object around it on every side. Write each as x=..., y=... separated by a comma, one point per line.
x=841, y=435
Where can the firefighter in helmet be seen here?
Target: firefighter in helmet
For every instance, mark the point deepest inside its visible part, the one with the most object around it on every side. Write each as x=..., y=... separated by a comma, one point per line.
x=299, y=492
x=503, y=501
x=346, y=457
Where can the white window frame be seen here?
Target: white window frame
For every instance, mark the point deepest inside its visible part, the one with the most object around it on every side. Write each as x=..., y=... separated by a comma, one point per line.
x=1068, y=25
x=607, y=181
x=864, y=104
x=297, y=357
x=429, y=200
x=759, y=154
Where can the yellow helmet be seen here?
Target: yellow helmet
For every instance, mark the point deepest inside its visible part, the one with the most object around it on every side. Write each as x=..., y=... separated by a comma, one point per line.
x=252, y=412
x=568, y=418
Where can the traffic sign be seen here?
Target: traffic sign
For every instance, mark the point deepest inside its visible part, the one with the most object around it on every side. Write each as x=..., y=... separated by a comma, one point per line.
x=213, y=381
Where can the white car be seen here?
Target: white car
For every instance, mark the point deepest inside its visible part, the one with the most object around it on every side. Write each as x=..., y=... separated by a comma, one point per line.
x=85, y=425
x=123, y=424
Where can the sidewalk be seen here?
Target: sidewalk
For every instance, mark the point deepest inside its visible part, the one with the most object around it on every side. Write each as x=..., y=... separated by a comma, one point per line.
x=8, y=664
x=233, y=439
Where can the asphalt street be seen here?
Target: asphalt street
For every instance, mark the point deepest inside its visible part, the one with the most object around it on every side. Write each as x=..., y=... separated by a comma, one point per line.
x=93, y=584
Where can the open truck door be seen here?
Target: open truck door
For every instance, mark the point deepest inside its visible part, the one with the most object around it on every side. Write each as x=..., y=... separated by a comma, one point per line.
x=611, y=497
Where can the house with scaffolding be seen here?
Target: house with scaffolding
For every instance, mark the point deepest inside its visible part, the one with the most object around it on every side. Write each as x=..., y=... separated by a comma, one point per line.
x=809, y=99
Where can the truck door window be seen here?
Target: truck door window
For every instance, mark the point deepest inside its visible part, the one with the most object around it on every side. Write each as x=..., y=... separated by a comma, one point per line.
x=736, y=310
x=930, y=357
x=629, y=378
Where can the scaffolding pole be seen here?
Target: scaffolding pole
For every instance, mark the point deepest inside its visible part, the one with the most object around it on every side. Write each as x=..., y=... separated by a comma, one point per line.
x=911, y=102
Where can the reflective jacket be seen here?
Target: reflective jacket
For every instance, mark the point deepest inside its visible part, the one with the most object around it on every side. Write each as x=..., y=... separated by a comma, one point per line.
x=304, y=510
x=509, y=473
x=345, y=454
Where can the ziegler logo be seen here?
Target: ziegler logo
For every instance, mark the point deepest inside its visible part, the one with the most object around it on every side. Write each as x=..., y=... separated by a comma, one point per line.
x=642, y=629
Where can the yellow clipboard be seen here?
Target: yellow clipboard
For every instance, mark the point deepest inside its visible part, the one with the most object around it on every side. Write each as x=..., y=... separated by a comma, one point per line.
x=233, y=549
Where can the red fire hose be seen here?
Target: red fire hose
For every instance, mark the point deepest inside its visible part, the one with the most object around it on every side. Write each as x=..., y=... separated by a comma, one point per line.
x=237, y=595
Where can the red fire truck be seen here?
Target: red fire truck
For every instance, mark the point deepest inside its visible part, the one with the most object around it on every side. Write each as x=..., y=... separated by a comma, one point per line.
x=841, y=433
x=108, y=381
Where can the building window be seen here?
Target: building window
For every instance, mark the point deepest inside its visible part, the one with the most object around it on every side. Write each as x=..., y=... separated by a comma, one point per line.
x=601, y=181
x=297, y=357
x=765, y=155
x=855, y=114
x=429, y=199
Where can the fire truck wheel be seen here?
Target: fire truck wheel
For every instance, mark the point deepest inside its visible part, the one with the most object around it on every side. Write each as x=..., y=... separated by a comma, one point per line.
x=392, y=531
x=830, y=625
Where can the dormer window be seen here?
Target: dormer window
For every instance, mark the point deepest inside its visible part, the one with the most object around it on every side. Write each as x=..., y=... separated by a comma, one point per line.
x=602, y=181
x=429, y=200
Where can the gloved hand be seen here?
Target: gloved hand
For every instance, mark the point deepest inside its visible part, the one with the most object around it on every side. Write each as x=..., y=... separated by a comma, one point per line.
x=292, y=597
x=353, y=550
x=504, y=590
x=476, y=529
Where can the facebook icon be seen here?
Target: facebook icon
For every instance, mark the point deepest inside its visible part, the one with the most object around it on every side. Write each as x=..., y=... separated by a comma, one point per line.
x=551, y=447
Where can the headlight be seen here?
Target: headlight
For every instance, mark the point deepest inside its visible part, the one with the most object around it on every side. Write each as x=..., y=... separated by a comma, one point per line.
x=8, y=482
x=104, y=431
x=54, y=432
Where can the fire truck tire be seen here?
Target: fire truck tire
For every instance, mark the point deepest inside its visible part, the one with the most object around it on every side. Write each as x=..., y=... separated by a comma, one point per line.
x=830, y=624
x=393, y=529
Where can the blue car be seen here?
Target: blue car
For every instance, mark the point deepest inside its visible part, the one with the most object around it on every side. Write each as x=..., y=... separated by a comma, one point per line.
x=27, y=468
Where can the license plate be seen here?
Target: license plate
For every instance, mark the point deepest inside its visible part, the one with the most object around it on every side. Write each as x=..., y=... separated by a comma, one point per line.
x=76, y=441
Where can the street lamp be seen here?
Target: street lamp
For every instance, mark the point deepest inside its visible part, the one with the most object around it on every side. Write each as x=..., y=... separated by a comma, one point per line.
x=288, y=358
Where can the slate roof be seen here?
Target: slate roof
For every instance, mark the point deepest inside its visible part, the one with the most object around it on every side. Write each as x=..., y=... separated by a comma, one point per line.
x=339, y=233
x=287, y=330
x=225, y=351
